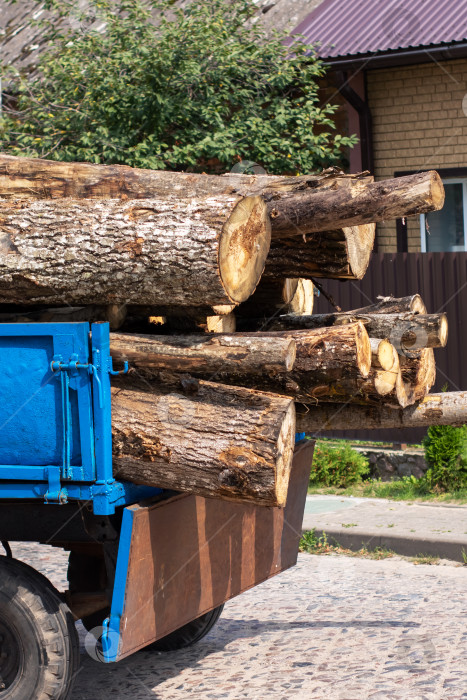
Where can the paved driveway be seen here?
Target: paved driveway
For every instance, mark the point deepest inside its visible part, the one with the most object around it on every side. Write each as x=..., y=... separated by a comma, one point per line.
x=331, y=628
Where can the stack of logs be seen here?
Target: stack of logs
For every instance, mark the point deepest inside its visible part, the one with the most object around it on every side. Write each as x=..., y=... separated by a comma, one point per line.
x=177, y=262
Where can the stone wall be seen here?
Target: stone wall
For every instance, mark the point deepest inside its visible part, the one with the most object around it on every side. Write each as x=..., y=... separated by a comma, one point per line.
x=393, y=464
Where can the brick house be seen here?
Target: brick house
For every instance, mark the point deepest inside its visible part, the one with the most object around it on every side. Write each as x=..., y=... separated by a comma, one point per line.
x=399, y=69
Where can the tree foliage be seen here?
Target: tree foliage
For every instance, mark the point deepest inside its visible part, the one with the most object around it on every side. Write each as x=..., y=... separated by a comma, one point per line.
x=199, y=89
x=446, y=456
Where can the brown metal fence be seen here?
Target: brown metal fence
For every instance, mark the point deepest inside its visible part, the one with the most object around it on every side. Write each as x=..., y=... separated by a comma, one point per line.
x=441, y=280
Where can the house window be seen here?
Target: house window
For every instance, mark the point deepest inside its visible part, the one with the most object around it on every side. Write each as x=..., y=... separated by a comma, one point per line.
x=446, y=230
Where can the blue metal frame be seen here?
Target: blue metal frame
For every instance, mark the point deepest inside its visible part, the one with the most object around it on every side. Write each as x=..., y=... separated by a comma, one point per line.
x=89, y=385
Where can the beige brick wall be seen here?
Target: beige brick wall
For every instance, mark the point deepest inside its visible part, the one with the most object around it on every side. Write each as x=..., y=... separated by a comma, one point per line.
x=418, y=124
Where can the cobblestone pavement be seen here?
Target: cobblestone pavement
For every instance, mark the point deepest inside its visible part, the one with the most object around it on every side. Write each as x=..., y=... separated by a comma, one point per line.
x=332, y=627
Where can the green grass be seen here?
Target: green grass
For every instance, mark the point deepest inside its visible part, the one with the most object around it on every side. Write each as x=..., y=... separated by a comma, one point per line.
x=311, y=543
x=364, y=443
x=405, y=489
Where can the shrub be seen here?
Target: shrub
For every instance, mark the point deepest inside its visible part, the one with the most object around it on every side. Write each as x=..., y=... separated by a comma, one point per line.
x=446, y=456
x=337, y=466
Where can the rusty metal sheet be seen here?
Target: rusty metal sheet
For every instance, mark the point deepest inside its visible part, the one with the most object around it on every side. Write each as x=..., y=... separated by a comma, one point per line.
x=190, y=554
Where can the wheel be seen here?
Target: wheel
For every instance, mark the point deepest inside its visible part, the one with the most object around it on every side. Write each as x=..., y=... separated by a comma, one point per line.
x=189, y=634
x=86, y=574
x=39, y=648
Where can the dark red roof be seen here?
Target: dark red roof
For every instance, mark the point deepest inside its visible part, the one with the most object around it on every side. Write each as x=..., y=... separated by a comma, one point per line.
x=349, y=27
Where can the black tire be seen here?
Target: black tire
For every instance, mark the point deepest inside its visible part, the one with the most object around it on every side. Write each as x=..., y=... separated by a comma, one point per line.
x=86, y=574
x=39, y=647
x=189, y=634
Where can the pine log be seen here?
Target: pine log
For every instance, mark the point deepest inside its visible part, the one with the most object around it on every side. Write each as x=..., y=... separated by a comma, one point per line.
x=192, y=252
x=337, y=254
x=230, y=354
x=219, y=441
x=394, y=305
x=406, y=331
x=418, y=373
x=34, y=178
x=301, y=213
x=447, y=408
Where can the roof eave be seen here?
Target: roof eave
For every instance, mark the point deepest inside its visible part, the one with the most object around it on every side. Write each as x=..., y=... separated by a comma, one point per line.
x=401, y=57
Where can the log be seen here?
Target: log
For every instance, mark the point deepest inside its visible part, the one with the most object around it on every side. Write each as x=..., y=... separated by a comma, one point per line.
x=34, y=178
x=418, y=373
x=219, y=441
x=328, y=360
x=221, y=324
x=338, y=254
x=231, y=355
x=447, y=408
x=298, y=213
x=382, y=354
x=406, y=331
x=192, y=252
x=393, y=305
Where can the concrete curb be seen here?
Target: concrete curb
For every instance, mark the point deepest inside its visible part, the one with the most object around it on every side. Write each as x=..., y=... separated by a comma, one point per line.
x=406, y=546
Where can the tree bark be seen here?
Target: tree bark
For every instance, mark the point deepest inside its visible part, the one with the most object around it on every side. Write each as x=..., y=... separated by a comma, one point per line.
x=34, y=178
x=393, y=305
x=406, y=331
x=418, y=373
x=336, y=254
x=209, y=354
x=328, y=363
x=302, y=213
x=449, y=408
x=221, y=442
x=189, y=252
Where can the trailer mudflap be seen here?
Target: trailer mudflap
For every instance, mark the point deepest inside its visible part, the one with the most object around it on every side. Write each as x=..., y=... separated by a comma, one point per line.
x=182, y=557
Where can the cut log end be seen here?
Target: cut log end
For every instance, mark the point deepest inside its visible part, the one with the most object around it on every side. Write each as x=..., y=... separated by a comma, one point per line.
x=437, y=191
x=360, y=241
x=382, y=354
x=244, y=246
x=363, y=347
x=285, y=449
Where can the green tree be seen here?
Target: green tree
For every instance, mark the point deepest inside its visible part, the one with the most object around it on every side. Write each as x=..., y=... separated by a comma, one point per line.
x=201, y=89
x=446, y=456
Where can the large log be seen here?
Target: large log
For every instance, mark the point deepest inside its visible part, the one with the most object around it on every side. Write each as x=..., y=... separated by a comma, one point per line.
x=34, y=178
x=229, y=354
x=296, y=214
x=406, y=331
x=449, y=408
x=218, y=441
x=343, y=253
x=189, y=252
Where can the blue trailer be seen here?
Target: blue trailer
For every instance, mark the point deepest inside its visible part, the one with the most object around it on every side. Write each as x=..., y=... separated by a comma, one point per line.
x=147, y=567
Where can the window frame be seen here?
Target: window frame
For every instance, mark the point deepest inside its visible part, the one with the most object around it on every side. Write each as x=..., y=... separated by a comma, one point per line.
x=447, y=181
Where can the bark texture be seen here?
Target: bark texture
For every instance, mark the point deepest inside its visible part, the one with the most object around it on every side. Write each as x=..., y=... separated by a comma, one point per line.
x=302, y=213
x=219, y=441
x=192, y=252
x=34, y=178
x=394, y=305
x=406, y=331
x=447, y=408
x=228, y=354
x=335, y=254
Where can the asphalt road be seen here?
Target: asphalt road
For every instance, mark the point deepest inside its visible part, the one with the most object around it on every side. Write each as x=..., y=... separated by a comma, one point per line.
x=332, y=627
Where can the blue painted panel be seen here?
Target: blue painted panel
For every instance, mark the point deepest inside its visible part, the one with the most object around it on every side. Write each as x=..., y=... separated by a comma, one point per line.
x=31, y=414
